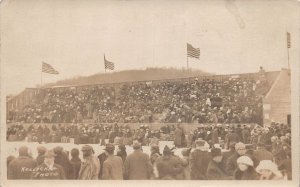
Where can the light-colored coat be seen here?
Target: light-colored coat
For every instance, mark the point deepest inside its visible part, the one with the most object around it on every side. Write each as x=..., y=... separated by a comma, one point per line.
x=89, y=169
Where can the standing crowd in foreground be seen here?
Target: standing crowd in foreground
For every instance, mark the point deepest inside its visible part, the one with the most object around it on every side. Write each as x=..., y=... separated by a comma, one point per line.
x=241, y=162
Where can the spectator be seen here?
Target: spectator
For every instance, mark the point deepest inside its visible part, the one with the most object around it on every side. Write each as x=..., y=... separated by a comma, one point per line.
x=21, y=167
x=262, y=154
x=179, y=137
x=268, y=171
x=199, y=160
x=90, y=167
x=122, y=152
x=216, y=167
x=245, y=169
x=185, y=163
x=75, y=163
x=169, y=167
x=41, y=154
x=113, y=165
x=48, y=170
x=231, y=164
x=61, y=158
x=137, y=164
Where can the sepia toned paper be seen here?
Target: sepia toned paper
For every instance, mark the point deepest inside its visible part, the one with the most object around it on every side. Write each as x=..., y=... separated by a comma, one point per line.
x=79, y=44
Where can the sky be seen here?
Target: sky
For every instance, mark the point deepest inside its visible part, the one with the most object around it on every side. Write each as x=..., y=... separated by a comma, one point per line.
x=234, y=36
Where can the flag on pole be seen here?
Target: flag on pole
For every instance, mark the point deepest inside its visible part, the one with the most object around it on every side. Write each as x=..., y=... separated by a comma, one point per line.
x=288, y=39
x=47, y=68
x=193, y=52
x=108, y=64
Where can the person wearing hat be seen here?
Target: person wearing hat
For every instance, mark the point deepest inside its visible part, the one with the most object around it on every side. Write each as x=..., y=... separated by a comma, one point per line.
x=154, y=153
x=245, y=169
x=178, y=136
x=199, y=160
x=61, y=158
x=113, y=165
x=231, y=164
x=41, y=154
x=261, y=154
x=137, y=164
x=229, y=153
x=169, y=167
x=21, y=167
x=90, y=166
x=75, y=163
x=232, y=136
x=48, y=170
x=268, y=170
x=122, y=152
x=216, y=167
x=186, y=163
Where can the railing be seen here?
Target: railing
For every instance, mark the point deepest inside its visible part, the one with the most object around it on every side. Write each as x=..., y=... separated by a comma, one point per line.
x=153, y=126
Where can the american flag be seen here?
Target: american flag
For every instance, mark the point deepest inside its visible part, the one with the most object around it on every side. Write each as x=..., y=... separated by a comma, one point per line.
x=288, y=39
x=193, y=52
x=108, y=64
x=47, y=68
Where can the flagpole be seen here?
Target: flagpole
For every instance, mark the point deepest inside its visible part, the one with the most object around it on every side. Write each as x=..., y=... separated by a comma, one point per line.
x=288, y=56
x=42, y=76
x=187, y=62
x=104, y=65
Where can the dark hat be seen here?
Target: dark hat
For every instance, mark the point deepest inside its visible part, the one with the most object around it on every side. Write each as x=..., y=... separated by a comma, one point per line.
x=167, y=150
x=109, y=147
x=58, y=149
x=122, y=147
x=136, y=145
x=87, y=148
x=74, y=152
x=232, y=144
x=200, y=143
x=260, y=144
x=41, y=149
x=23, y=151
x=249, y=146
x=186, y=152
x=216, y=152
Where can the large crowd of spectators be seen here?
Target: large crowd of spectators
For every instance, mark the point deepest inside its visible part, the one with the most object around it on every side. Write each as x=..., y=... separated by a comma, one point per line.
x=214, y=152
x=235, y=99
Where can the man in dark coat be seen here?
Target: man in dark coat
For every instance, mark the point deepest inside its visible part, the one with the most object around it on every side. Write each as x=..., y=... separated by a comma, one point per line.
x=231, y=151
x=231, y=164
x=216, y=167
x=61, y=159
x=75, y=163
x=122, y=152
x=41, y=154
x=199, y=160
x=102, y=157
x=137, y=164
x=178, y=136
x=113, y=165
x=261, y=154
x=21, y=167
x=231, y=137
x=169, y=167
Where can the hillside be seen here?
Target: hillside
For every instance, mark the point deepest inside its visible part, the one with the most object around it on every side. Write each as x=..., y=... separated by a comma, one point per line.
x=130, y=76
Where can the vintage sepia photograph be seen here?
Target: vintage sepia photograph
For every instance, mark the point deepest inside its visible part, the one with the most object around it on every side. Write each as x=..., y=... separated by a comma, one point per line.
x=203, y=91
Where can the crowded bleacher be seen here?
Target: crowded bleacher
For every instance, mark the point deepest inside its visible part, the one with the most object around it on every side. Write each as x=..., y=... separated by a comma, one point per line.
x=235, y=99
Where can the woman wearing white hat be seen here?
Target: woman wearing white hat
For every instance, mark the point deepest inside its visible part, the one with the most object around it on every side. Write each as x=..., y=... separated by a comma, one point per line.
x=245, y=169
x=268, y=171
